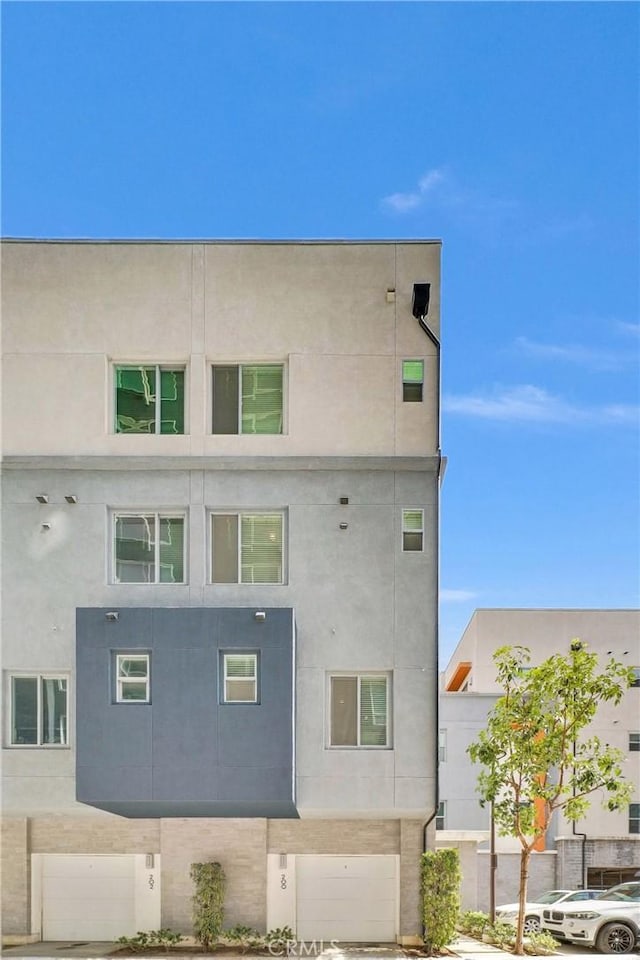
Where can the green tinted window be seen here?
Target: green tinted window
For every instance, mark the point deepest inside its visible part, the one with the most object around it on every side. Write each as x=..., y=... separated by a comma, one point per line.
x=139, y=409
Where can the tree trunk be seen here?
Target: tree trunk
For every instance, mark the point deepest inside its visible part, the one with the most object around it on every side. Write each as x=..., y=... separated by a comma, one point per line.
x=525, y=853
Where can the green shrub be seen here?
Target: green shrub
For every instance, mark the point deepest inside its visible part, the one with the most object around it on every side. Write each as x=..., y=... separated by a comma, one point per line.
x=149, y=940
x=208, y=902
x=473, y=922
x=540, y=944
x=440, y=872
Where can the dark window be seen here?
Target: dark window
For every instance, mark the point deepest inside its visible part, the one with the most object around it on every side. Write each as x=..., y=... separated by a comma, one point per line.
x=412, y=380
x=247, y=398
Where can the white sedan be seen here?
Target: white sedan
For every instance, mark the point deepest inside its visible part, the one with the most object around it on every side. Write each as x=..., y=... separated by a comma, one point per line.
x=508, y=912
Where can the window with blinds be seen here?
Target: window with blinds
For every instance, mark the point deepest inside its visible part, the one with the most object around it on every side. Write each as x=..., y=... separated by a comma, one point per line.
x=148, y=548
x=412, y=530
x=240, y=677
x=248, y=398
x=247, y=548
x=359, y=711
x=412, y=380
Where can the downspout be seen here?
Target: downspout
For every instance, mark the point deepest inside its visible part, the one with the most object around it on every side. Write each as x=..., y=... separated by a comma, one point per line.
x=576, y=645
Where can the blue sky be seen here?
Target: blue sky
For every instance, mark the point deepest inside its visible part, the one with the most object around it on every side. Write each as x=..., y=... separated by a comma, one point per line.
x=509, y=130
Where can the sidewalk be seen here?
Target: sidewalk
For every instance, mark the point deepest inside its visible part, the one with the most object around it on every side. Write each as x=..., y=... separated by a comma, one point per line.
x=463, y=947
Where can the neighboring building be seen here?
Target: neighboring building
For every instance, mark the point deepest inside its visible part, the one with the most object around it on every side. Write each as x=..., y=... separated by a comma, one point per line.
x=220, y=516
x=597, y=852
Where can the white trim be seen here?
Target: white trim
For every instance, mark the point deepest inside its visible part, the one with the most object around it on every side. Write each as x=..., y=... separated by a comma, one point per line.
x=146, y=680
x=419, y=510
x=38, y=676
x=240, y=653
x=245, y=512
x=359, y=675
x=116, y=513
x=262, y=362
x=170, y=365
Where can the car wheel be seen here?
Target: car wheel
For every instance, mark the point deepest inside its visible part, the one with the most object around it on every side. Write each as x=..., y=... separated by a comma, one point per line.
x=531, y=925
x=616, y=938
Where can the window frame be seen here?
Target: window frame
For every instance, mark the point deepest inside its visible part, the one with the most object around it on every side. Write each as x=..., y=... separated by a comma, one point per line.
x=407, y=384
x=224, y=699
x=634, y=818
x=39, y=676
x=245, y=513
x=405, y=530
x=442, y=745
x=169, y=367
x=441, y=815
x=359, y=676
x=120, y=655
x=636, y=674
x=240, y=366
x=118, y=513
x=634, y=741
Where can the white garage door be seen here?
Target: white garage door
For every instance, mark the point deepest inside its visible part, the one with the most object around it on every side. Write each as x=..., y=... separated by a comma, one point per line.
x=88, y=898
x=346, y=898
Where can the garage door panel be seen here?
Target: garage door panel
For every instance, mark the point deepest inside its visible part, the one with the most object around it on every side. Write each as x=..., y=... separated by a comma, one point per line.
x=120, y=910
x=85, y=867
x=371, y=931
x=85, y=897
x=351, y=888
x=89, y=930
x=379, y=866
x=346, y=898
x=91, y=889
x=325, y=910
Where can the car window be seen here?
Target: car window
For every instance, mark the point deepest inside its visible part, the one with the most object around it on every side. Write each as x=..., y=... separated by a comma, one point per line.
x=583, y=895
x=623, y=891
x=551, y=896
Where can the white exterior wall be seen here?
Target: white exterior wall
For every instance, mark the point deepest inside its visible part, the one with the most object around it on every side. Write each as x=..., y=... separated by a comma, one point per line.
x=70, y=311
x=73, y=309
x=613, y=633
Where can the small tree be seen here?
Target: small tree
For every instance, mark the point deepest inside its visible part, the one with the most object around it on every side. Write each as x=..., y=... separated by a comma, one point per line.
x=535, y=760
x=208, y=902
x=440, y=871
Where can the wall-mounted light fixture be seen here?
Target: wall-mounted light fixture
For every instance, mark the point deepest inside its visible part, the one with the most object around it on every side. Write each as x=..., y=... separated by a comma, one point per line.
x=283, y=861
x=344, y=501
x=71, y=498
x=390, y=295
x=344, y=525
x=42, y=498
x=149, y=861
x=420, y=306
x=260, y=616
x=112, y=616
x=46, y=526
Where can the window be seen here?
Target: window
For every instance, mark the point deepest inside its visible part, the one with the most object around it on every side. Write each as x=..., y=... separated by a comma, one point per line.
x=148, y=548
x=440, y=815
x=634, y=818
x=412, y=380
x=359, y=711
x=149, y=399
x=412, y=529
x=247, y=398
x=634, y=741
x=240, y=677
x=132, y=678
x=39, y=711
x=442, y=745
x=247, y=547
x=636, y=677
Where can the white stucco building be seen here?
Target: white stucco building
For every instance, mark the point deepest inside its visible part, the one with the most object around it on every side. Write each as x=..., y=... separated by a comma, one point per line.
x=221, y=471
x=597, y=852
